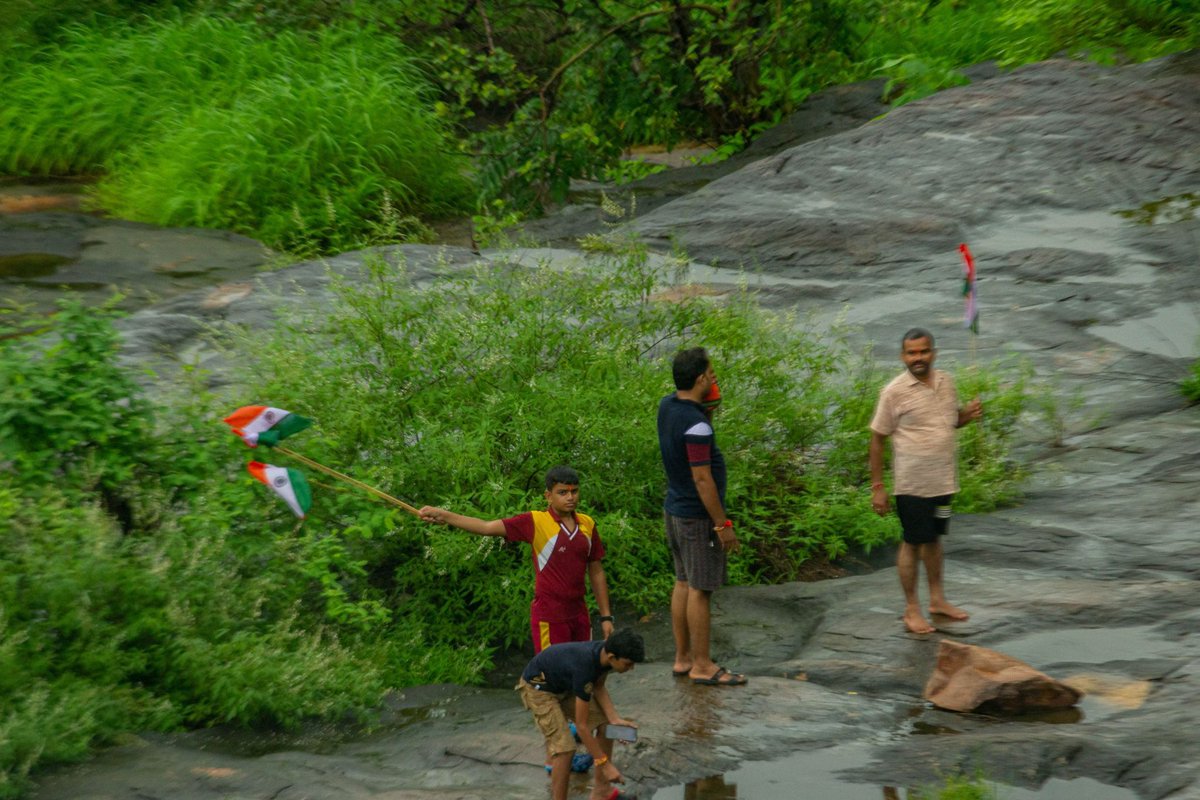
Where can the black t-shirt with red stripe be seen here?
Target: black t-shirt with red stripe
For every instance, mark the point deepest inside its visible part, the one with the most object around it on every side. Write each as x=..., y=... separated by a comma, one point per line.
x=686, y=439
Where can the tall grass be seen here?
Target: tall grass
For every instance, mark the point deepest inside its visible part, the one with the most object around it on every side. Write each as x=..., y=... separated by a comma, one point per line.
x=298, y=138
x=922, y=46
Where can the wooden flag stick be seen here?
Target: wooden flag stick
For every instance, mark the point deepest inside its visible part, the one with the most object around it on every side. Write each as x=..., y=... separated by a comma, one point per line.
x=359, y=484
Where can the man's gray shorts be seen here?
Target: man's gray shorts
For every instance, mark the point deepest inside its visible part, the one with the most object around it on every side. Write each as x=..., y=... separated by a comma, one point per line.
x=697, y=553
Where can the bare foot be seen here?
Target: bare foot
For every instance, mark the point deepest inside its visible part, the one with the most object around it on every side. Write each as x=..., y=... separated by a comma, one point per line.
x=916, y=623
x=946, y=610
x=679, y=671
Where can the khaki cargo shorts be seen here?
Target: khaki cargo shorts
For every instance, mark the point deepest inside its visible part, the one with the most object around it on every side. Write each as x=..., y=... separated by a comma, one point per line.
x=552, y=711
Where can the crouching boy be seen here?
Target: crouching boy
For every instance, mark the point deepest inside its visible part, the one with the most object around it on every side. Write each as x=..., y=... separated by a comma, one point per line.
x=566, y=682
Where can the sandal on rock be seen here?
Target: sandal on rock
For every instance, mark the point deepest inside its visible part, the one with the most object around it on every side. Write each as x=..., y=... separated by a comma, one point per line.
x=715, y=680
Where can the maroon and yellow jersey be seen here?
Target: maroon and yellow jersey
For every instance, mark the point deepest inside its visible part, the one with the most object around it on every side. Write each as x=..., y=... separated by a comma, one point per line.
x=560, y=560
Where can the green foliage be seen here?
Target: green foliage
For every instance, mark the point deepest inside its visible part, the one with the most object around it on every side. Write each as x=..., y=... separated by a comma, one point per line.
x=988, y=475
x=30, y=23
x=137, y=590
x=959, y=787
x=1191, y=384
x=297, y=119
x=911, y=78
x=1102, y=29
x=320, y=141
x=628, y=170
x=67, y=412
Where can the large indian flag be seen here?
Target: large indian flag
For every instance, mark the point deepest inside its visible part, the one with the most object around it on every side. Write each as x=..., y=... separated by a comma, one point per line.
x=265, y=425
x=289, y=484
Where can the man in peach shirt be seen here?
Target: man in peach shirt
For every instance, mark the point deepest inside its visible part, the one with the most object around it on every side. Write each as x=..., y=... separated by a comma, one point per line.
x=919, y=411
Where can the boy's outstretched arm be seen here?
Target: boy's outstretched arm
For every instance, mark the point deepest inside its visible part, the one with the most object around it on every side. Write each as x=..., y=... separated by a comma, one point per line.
x=441, y=516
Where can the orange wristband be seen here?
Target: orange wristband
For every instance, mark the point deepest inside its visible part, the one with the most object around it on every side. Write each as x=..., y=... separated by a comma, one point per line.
x=600, y=762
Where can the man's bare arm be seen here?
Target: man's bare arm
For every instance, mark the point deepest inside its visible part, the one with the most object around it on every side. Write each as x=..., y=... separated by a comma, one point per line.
x=706, y=487
x=879, y=497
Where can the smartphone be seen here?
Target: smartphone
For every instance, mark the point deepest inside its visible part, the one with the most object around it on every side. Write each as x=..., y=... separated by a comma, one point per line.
x=623, y=733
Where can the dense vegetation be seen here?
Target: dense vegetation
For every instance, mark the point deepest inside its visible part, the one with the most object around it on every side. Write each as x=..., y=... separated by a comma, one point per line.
x=323, y=124
x=147, y=582
x=1191, y=384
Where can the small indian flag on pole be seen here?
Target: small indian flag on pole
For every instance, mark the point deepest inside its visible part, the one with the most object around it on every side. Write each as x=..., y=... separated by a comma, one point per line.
x=970, y=293
x=265, y=425
x=289, y=484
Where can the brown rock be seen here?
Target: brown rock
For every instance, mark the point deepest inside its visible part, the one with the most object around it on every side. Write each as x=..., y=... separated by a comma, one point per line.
x=970, y=678
x=24, y=204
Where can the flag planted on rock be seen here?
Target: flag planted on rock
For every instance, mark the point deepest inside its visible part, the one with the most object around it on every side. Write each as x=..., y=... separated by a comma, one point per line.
x=265, y=425
x=970, y=293
x=289, y=484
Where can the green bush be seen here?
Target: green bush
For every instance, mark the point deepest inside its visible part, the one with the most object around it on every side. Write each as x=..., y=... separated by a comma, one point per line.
x=959, y=787
x=136, y=589
x=462, y=394
x=1191, y=384
x=320, y=141
x=68, y=414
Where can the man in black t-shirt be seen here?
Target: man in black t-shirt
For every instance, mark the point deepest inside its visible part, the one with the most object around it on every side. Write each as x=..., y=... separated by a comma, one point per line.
x=698, y=532
x=566, y=682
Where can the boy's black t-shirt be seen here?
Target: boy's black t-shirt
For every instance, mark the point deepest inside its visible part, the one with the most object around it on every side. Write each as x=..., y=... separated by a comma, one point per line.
x=569, y=667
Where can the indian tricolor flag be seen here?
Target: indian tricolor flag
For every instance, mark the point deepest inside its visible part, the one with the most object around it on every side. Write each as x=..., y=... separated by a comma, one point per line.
x=970, y=291
x=265, y=424
x=287, y=483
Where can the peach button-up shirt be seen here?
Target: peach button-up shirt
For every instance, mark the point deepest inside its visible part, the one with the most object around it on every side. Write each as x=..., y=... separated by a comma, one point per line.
x=921, y=421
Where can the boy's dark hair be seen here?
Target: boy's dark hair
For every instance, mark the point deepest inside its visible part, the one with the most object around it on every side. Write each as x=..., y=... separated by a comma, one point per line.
x=626, y=644
x=688, y=366
x=561, y=474
x=916, y=333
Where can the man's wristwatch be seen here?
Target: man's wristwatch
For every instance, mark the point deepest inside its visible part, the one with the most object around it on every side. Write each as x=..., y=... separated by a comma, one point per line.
x=608, y=618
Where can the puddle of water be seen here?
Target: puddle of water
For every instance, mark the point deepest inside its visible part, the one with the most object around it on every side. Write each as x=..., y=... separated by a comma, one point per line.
x=31, y=265
x=812, y=776
x=1172, y=331
x=808, y=775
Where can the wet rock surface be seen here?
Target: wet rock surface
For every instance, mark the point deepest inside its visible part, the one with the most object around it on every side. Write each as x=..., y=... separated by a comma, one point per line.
x=48, y=244
x=1092, y=579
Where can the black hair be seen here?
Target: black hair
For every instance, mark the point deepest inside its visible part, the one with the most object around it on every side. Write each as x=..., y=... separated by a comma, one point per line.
x=561, y=474
x=916, y=333
x=688, y=366
x=626, y=644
